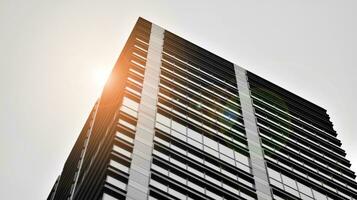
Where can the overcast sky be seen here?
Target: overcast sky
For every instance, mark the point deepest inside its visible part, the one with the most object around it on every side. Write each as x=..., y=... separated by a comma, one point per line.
x=51, y=53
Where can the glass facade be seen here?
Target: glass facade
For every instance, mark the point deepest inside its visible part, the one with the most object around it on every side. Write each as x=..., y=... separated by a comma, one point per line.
x=173, y=122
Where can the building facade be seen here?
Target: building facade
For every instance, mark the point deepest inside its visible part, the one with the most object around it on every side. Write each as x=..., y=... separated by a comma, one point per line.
x=175, y=121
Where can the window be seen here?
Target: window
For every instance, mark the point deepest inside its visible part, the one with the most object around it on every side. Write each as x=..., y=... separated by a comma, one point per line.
x=242, y=158
x=213, y=195
x=158, y=185
x=177, y=178
x=124, y=137
x=226, y=151
x=210, y=143
x=195, y=187
x=108, y=197
x=179, y=127
x=304, y=189
x=289, y=181
x=119, y=166
x=122, y=151
x=129, y=111
x=319, y=196
x=194, y=171
x=194, y=135
x=127, y=124
x=116, y=182
x=159, y=169
x=274, y=174
x=177, y=194
x=130, y=103
x=162, y=119
x=162, y=127
x=178, y=135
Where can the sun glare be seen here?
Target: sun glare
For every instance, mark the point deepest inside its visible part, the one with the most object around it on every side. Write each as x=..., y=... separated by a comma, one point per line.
x=100, y=76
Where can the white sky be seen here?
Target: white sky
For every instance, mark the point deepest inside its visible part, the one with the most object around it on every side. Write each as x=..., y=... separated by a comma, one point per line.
x=50, y=50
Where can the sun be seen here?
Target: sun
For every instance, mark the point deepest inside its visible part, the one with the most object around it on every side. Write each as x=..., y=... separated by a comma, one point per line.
x=100, y=76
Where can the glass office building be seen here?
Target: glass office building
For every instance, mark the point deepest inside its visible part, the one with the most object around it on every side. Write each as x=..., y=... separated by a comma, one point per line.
x=175, y=121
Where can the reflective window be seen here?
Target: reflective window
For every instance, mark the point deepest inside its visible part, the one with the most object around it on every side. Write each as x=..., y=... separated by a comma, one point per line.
x=108, y=197
x=211, y=143
x=304, y=189
x=163, y=119
x=319, y=196
x=227, y=151
x=289, y=181
x=119, y=166
x=274, y=174
x=194, y=135
x=178, y=127
x=116, y=182
x=131, y=103
x=122, y=151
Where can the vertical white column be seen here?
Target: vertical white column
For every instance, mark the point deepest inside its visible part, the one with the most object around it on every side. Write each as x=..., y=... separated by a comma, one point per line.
x=139, y=174
x=258, y=164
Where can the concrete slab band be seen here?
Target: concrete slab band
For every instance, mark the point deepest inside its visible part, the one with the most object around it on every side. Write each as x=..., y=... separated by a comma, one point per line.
x=257, y=161
x=138, y=185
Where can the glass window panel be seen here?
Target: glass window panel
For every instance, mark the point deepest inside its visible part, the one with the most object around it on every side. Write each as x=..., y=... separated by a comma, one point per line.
x=211, y=143
x=243, y=167
x=213, y=195
x=229, y=174
x=108, y=197
x=122, y=151
x=127, y=124
x=161, y=141
x=319, y=196
x=178, y=135
x=274, y=174
x=161, y=155
x=241, y=158
x=289, y=181
x=245, y=196
x=177, y=178
x=116, y=182
x=178, y=127
x=195, y=171
x=227, y=159
x=194, y=143
x=278, y=198
x=304, y=189
x=276, y=183
x=212, y=166
x=158, y=185
x=129, y=111
x=194, y=135
x=178, y=149
x=119, y=166
x=124, y=137
x=163, y=119
x=210, y=151
x=305, y=197
x=245, y=182
x=225, y=150
x=193, y=156
x=152, y=198
x=213, y=180
x=291, y=191
x=162, y=127
x=159, y=169
x=178, y=163
x=231, y=189
x=195, y=187
x=130, y=103
x=177, y=194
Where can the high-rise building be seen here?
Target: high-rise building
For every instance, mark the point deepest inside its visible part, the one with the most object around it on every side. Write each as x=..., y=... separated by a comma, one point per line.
x=175, y=121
